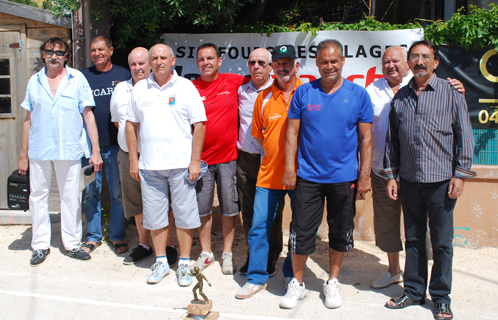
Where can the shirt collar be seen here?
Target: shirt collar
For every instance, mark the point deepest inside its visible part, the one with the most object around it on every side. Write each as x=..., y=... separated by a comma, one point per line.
x=42, y=75
x=431, y=85
x=250, y=86
x=276, y=91
x=151, y=82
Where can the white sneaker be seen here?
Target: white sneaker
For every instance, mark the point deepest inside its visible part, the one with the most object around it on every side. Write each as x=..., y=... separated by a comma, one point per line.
x=387, y=280
x=295, y=292
x=227, y=266
x=248, y=290
x=331, y=291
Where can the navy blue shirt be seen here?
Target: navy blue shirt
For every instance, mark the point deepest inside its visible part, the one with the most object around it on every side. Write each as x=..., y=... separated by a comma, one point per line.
x=102, y=84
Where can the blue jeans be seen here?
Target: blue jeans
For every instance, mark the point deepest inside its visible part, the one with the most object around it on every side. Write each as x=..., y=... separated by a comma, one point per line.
x=93, y=215
x=265, y=207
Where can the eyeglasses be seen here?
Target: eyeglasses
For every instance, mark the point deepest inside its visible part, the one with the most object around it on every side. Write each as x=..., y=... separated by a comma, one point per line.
x=57, y=53
x=416, y=57
x=262, y=63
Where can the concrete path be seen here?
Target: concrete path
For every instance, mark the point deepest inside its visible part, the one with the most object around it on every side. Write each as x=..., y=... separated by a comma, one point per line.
x=104, y=288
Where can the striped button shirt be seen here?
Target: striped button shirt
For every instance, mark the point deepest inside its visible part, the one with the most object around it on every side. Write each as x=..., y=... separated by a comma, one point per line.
x=429, y=137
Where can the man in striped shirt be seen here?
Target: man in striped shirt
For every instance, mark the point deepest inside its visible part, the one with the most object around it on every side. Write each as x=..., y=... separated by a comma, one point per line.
x=429, y=145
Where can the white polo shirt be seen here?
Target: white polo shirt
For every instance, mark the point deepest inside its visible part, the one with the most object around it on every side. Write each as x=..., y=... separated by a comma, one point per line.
x=381, y=95
x=121, y=97
x=165, y=116
x=246, y=97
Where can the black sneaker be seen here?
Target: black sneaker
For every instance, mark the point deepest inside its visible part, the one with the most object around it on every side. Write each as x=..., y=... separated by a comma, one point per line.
x=137, y=254
x=79, y=253
x=243, y=269
x=39, y=256
x=172, y=256
x=271, y=269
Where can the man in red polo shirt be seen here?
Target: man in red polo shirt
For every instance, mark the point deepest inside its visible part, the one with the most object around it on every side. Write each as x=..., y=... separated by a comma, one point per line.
x=219, y=94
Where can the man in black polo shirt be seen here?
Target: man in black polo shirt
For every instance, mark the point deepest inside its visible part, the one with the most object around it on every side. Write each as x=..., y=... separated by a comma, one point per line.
x=103, y=77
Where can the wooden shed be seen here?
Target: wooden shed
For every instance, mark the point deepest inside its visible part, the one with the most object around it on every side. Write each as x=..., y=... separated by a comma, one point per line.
x=22, y=30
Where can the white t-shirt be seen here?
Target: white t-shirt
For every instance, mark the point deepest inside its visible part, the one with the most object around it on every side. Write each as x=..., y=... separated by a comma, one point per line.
x=165, y=116
x=381, y=95
x=121, y=97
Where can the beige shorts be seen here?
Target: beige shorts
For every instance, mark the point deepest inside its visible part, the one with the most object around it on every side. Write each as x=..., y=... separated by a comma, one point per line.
x=131, y=192
x=387, y=217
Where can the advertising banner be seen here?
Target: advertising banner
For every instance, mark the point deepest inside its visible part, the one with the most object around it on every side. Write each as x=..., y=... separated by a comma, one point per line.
x=477, y=69
x=363, y=50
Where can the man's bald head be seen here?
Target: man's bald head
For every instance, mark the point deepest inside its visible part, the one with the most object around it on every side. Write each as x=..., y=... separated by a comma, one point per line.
x=261, y=52
x=397, y=49
x=394, y=65
x=259, y=66
x=162, y=46
x=138, y=60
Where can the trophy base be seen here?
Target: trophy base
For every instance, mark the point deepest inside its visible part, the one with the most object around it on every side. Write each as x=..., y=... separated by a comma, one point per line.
x=200, y=310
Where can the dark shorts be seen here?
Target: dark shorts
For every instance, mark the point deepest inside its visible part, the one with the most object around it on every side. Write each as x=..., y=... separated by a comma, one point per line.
x=308, y=214
x=225, y=177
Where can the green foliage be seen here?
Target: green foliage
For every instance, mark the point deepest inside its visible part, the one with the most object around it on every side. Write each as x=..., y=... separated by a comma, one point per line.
x=27, y=2
x=368, y=24
x=142, y=22
x=60, y=7
x=477, y=29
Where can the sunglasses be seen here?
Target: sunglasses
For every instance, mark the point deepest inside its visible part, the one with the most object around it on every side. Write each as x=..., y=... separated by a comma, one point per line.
x=262, y=63
x=57, y=53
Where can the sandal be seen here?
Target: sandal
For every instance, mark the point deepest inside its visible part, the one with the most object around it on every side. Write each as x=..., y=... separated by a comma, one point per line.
x=443, y=308
x=402, y=302
x=121, y=247
x=91, y=246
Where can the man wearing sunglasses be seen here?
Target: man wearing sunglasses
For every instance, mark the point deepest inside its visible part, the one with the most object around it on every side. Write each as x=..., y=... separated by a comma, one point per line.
x=249, y=160
x=59, y=101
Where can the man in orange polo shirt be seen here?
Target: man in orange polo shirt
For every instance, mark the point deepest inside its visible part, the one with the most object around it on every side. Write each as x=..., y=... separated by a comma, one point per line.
x=269, y=127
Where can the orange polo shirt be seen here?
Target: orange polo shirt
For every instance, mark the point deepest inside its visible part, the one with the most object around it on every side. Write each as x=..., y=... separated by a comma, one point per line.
x=271, y=125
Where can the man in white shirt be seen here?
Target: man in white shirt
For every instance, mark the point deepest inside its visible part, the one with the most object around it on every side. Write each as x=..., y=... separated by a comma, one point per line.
x=131, y=193
x=250, y=153
x=172, y=125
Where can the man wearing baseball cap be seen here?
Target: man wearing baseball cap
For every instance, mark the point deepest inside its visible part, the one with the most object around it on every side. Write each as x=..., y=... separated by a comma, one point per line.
x=269, y=127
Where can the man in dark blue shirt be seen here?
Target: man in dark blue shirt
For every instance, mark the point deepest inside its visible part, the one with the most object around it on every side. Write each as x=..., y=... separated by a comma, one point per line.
x=103, y=77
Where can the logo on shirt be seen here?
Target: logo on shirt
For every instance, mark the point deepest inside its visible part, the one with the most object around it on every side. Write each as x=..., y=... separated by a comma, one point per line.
x=275, y=116
x=203, y=98
x=171, y=101
x=313, y=107
x=345, y=101
x=146, y=103
x=102, y=92
x=226, y=92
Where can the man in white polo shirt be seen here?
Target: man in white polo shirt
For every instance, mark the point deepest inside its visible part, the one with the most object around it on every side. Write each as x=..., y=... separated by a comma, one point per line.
x=172, y=125
x=131, y=193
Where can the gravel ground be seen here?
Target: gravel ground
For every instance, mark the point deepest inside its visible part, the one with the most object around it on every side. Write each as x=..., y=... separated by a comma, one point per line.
x=104, y=288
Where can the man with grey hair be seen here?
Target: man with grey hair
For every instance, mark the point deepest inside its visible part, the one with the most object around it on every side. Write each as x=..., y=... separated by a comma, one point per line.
x=338, y=114
x=268, y=128
x=131, y=194
x=172, y=117
x=249, y=160
x=387, y=212
x=429, y=147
